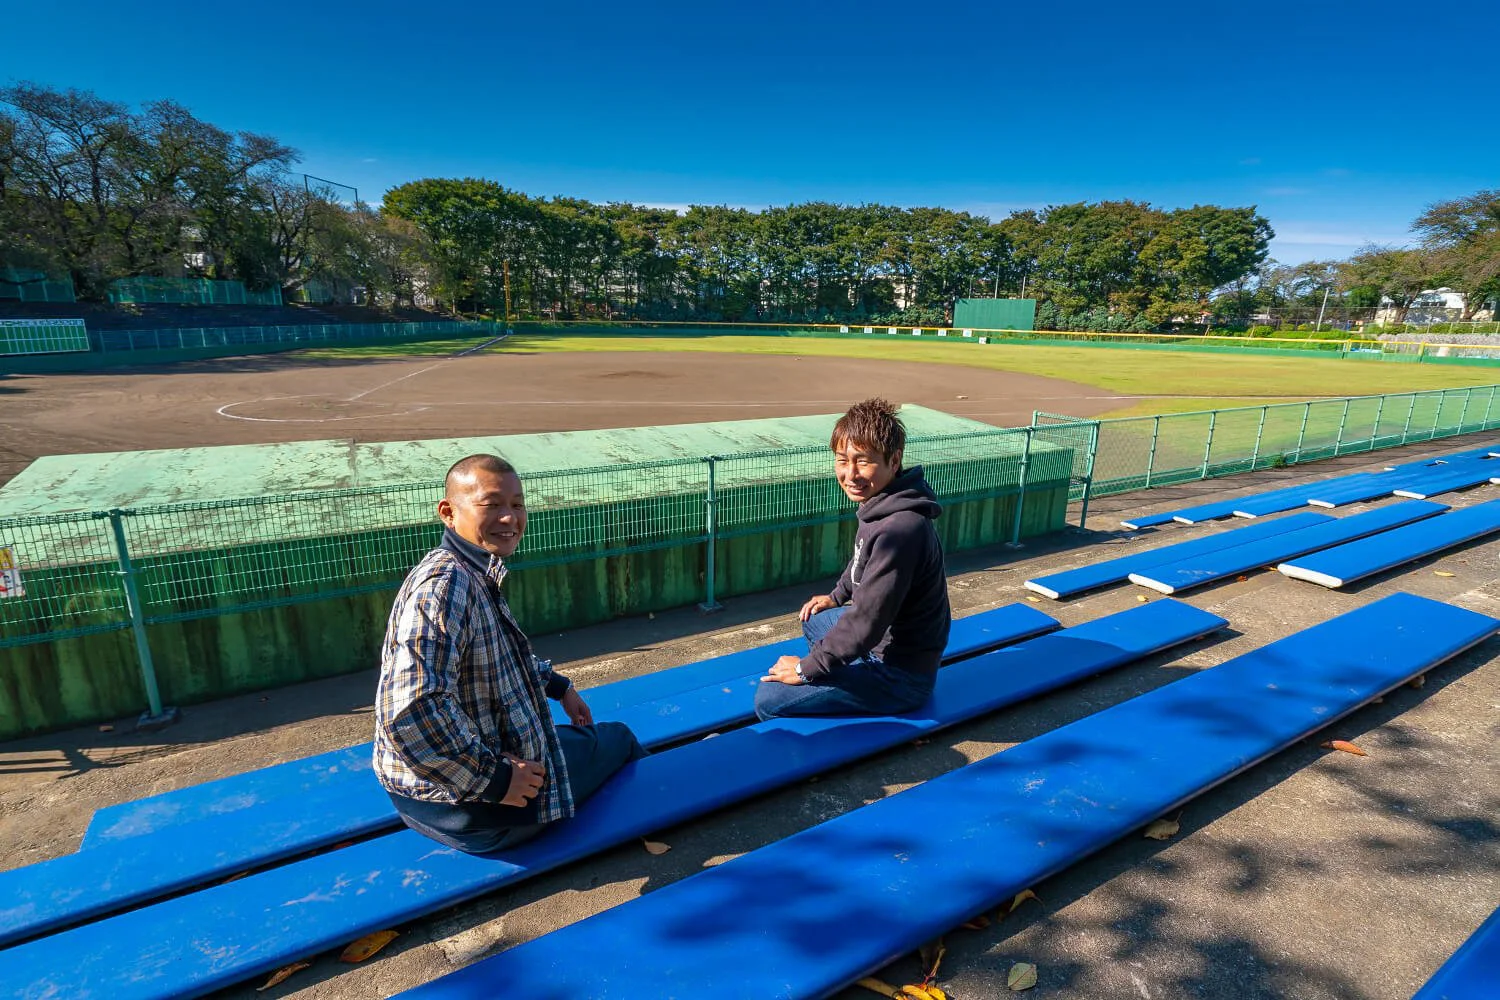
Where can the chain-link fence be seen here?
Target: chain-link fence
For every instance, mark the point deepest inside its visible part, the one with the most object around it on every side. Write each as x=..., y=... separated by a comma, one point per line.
x=178, y=338
x=1141, y=452
x=73, y=575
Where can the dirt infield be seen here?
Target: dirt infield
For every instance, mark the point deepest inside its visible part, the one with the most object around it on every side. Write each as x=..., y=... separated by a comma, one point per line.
x=274, y=398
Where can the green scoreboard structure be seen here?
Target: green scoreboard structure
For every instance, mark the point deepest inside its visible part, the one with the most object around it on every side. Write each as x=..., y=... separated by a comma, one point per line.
x=994, y=314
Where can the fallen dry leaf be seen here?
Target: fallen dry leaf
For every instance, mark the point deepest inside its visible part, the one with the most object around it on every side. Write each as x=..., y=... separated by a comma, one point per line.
x=1345, y=746
x=931, y=955
x=1022, y=976
x=1417, y=681
x=1021, y=897
x=1162, y=829
x=367, y=946
x=106, y=728
x=1241, y=578
x=921, y=991
x=871, y=983
x=655, y=846
x=978, y=923
x=1033, y=599
x=282, y=974
x=1378, y=700
x=234, y=878
x=920, y=742
x=1142, y=598
x=1441, y=572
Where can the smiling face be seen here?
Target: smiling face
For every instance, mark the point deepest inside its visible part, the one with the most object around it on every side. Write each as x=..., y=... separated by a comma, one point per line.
x=487, y=508
x=862, y=471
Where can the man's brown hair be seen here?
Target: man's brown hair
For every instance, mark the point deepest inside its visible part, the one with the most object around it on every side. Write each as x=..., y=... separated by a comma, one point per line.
x=872, y=425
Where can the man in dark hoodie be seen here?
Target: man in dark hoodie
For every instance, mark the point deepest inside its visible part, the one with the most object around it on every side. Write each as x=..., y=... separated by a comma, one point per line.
x=465, y=745
x=878, y=638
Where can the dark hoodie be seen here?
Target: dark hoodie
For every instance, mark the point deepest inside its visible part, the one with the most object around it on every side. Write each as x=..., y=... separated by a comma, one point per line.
x=895, y=586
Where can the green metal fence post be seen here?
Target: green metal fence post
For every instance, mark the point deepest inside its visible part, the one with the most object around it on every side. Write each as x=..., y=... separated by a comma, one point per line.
x=1302, y=431
x=156, y=717
x=1463, y=416
x=1375, y=430
x=1488, y=405
x=1411, y=410
x=1015, y=528
x=710, y=531
x=1338, y=439
x=1259, y=430
x=1213, y=418
x=1088, y=481
x=1437, y=413
x=1151, y=458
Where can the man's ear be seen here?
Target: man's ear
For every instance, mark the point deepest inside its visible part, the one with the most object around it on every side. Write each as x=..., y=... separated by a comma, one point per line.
x=445, y=511
x=895, y=460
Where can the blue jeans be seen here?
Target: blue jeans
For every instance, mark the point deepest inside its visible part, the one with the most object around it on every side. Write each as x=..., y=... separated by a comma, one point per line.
x=868, y=686
x=593, y=754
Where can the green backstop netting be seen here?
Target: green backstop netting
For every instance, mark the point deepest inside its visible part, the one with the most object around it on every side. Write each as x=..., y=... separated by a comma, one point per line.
x=190, y=292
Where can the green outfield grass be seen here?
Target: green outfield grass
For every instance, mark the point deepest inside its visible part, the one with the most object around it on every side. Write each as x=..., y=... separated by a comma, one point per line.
x=1198, y=374
x=1198, y=380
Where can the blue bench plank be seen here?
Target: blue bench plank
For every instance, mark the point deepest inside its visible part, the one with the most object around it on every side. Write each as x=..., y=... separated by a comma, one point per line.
x=1196, y=571
x=1352, y=561
x=312, y=775
x=1486, y=451
x=810, y=914
x=1147, y=521
x=1473, y=972
x=1070, y=583
x=38, y=898
x=1457, y=477
x=189, y=945
x=309, y=776
x=1225, y=508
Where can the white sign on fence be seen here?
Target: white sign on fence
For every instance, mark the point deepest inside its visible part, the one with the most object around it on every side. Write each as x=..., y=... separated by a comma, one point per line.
x=10, y=575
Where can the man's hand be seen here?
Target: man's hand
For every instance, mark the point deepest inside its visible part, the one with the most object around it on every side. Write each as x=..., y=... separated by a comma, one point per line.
x=526, y=778
x=785, y=671
x=820, y=603
x=578, y=712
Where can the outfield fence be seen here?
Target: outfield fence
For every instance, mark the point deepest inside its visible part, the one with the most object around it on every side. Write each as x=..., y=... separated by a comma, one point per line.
x=1359, y=348
x=188, y=338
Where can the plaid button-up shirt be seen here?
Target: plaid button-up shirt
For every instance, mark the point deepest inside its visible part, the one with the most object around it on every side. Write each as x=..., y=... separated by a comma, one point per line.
x=459, y=686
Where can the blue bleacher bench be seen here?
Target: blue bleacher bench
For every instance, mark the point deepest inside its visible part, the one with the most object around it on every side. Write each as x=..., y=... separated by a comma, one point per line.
x=190, y=945
x=37, y=898
x=810, y=914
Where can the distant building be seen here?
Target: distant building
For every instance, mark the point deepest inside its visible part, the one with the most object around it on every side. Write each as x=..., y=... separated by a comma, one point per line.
x=1434, y=305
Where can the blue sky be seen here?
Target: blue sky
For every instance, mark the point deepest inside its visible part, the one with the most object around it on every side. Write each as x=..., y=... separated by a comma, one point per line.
x=1341, y=121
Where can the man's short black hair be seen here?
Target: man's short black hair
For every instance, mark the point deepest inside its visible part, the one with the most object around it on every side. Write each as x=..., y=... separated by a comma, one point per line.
x=466, y=467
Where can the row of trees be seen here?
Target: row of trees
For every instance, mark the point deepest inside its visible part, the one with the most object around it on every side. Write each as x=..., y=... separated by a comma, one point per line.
x=820, y=260
x=96, y=190
x=1457, y=247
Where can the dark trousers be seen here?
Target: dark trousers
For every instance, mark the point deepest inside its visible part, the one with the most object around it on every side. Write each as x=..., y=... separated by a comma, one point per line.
x=593, y=754
x=867, y=686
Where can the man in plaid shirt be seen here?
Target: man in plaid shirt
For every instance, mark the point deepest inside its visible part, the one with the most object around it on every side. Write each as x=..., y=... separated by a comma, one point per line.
x=464, y=742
